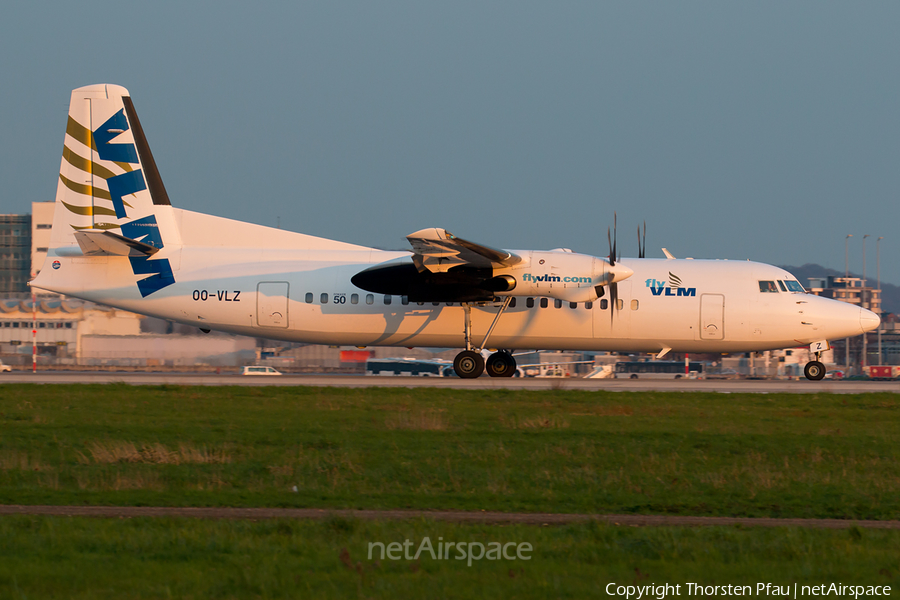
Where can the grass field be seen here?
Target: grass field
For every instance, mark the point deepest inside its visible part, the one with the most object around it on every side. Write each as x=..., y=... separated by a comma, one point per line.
x=556, y=451
x=559, y=451
x=180, y=558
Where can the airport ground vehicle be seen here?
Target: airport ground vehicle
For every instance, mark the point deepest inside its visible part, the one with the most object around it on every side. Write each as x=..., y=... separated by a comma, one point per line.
x=259, y=370
x=4, y=367
x=409, y=367
x=882, y=371
x=658, y=369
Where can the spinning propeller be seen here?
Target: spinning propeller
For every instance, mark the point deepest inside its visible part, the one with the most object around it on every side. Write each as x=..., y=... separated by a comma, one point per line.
x=617, y=272
x=642, y=242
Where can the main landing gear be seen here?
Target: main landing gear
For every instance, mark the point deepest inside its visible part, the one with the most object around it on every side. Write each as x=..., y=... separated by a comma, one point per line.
x=469, y=363
x=814, y=369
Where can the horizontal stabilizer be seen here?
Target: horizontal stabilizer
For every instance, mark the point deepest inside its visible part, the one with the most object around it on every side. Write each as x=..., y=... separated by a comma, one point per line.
x=103, y=243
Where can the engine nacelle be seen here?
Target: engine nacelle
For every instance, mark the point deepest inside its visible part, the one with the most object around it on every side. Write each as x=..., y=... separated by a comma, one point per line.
x=560, y=274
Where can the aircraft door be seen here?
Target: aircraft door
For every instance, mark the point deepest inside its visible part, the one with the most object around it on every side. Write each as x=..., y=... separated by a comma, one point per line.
x=272, y=304
x=712, y=317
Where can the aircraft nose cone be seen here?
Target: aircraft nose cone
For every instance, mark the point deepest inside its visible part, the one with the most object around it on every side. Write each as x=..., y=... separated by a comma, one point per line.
x=868, y=320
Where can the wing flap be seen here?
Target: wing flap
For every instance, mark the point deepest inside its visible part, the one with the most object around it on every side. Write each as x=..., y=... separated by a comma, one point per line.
x=437, y=250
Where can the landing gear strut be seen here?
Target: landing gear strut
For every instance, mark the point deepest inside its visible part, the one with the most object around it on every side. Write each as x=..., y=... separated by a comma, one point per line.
x=469, y=363
x=814, y=370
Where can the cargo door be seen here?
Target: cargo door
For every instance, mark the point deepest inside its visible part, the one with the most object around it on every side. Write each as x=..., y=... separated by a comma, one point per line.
x=272, y=304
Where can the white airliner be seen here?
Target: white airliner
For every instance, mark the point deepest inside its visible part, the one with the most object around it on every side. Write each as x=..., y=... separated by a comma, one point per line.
x=117, y=240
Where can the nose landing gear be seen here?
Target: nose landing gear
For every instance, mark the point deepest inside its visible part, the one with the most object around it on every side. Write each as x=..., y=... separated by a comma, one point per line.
x=814, y=369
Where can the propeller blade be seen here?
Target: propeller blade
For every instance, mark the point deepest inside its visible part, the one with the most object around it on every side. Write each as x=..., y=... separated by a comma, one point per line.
x=615, y=230
x=612, y=257
x=642, y=242
x=613, y=301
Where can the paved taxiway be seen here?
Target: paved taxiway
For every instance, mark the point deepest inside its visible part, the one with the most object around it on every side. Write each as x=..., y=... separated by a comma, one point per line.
x=801, y=386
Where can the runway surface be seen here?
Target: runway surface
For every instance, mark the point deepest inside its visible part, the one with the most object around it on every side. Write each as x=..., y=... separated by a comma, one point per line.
x=801, y=386
x=491, y=518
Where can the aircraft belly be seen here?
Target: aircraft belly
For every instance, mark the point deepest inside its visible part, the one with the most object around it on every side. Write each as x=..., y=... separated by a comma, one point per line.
x=428, y=325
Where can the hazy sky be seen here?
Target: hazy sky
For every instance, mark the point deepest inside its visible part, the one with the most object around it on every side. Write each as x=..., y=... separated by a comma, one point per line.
x=760, y=130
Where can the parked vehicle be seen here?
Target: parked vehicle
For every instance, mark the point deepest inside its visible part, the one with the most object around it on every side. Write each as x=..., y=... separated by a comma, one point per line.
x=409, y=367
x=257, y=370
x=882, y=371
x=658, y=369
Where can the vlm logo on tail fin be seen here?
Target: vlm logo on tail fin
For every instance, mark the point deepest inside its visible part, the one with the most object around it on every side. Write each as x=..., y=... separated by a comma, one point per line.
x=108, y=180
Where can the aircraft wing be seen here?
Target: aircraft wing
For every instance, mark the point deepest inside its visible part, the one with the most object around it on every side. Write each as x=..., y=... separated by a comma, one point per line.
x=437, y=250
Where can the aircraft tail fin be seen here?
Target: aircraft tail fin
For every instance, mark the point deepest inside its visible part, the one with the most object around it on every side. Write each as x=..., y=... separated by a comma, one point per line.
x=109, y=182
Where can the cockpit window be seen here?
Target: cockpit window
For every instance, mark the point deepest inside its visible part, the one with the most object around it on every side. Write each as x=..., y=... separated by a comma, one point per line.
x=781, y=285
x=794, y=286
x=768, y=286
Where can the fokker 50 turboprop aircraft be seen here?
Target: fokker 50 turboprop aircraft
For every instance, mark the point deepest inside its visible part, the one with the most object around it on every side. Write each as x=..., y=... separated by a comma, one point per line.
x=117, y=240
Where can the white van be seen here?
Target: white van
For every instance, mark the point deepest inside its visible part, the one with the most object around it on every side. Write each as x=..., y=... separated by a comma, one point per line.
x=259, y=371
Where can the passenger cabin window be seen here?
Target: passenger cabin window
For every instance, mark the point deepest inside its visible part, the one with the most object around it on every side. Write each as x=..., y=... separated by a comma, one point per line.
x=634, y=305
x=387, y=299
x=323, y=299
x=544, y=303
x=604, y=304
x=354, y=298
x=589, y=305
x=309, y=297
x=573, y=305
x=370, y=298
x=557, y=303
x=512, y=302
x=768, y=287
x=529, y=302
x=404, y=300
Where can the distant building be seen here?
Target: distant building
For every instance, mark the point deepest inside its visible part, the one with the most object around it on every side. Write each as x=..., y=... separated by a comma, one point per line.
x=41, y=223
x=15, y=254
x=59, y=326
x=847, y=289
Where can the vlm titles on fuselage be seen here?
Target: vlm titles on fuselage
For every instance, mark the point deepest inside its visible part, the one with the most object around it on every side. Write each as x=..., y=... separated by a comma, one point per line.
x=117, y=240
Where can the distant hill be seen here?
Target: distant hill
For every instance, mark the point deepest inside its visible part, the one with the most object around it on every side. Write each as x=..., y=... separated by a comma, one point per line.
x=890, y=293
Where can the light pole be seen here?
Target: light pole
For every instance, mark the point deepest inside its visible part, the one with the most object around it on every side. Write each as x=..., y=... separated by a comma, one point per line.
x=880, y=301
x=862, y=303
x=846, y=277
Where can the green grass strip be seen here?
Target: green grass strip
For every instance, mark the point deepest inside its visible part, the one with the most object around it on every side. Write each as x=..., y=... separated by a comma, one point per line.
x=80, y=558
x=773, y=455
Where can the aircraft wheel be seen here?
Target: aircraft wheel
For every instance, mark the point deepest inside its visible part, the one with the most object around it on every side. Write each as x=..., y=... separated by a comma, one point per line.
x=634, y=376
x=814, y=370
x=468, y=364
x=501, y=364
